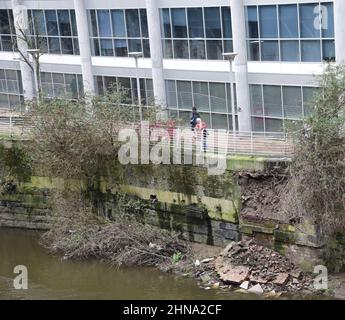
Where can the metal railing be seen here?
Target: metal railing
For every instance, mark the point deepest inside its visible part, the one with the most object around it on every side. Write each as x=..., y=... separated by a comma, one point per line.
x=225, y=142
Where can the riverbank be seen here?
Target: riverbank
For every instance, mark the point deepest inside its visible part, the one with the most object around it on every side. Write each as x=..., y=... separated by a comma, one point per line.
x=53, y=277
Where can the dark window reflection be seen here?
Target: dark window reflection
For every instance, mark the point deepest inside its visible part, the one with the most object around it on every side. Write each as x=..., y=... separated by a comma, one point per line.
x=212, y=23
x=214, y=49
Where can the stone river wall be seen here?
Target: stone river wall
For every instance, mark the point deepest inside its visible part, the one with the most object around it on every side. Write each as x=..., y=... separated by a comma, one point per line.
x=202, y=208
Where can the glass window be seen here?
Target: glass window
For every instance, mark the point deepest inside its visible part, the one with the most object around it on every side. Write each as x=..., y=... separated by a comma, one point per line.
x=272, y=101
x=268, y=22
x=205, y=116
x=118, y=23
x=4, y=101
x=289, y=50
x=71, y=86
x=80, y=84
x=197, y=49
x=127, y=29
x=230, y=122
x=52, y=25
x=99, y=86
x=143, y=23
x=181, y=49
x=95, y=47
x=212, y=22
x=120, y=47
x=73, y=23
x=171, y=93
x=217, y=97
x=76, y=46
x=106, y=47
x=328, y=20
x=269, y=51
x=4, y=22
x=6, y=42
x=195, y=23
x=104, y=23
x=149, y=91
x=14, y=101
x=166, y=26
x=252, y=23
x=308, y=20
x=38, y=21
x=256, y=100
x=219, y=121
x=179, y=23
x=288, y=21
x=311, y=51
x=54, y=45
x=66, y=46
x=167, y=49
x=328, y=50
x=64, y=23
x=110, y=83
x=292, y=102
x=226, y=21
x=228, y=46
x=146, y=48
x=93, y=23
x=201, y=96
x=184, y=94
x=134, y=45
x=309, y=94
x=254, y=50
x=132, y=23
x=258, y=124
x=274, y=125
x=214, y=49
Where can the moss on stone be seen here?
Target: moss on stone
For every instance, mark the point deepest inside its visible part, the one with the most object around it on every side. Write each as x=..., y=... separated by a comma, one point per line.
x=246, y=163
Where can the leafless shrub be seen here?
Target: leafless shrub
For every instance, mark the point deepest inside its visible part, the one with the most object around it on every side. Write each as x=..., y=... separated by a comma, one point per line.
x=78, y=233
x=316, y=189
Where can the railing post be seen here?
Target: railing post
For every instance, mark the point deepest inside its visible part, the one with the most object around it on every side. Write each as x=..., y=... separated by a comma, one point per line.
x=251, y=143
x=11, y=133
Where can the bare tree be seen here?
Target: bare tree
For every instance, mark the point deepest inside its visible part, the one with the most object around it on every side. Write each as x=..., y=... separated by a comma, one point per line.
x=28, y=42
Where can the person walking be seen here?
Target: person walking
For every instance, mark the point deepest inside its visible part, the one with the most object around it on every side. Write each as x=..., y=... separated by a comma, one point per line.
x=201, y=128
x=194, y=117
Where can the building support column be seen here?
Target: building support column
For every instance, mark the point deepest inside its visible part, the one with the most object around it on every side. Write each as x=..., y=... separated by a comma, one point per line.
x=240, y=65
x=153, y=21
x=20, y=18
x=84, y=47
x=339, y=30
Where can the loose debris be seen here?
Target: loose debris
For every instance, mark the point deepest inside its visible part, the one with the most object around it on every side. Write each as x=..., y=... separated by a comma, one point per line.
x=254, y=268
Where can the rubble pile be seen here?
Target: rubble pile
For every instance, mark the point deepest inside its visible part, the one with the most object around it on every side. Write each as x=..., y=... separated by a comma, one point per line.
x=256, y=268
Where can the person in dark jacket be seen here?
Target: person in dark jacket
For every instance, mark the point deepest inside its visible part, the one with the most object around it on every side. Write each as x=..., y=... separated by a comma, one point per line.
x=194, y=117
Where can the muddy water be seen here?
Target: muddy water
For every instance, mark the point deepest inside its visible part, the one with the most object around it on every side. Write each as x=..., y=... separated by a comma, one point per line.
x=52, y=278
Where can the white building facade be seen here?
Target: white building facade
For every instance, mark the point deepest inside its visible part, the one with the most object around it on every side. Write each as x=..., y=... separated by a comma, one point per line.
x=281, y=47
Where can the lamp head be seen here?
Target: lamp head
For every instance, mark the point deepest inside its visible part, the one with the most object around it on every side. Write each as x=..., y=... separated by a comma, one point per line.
x=135, y=55
x=229, y=56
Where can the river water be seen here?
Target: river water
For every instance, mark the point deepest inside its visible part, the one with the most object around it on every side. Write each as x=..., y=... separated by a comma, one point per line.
x=50, y=277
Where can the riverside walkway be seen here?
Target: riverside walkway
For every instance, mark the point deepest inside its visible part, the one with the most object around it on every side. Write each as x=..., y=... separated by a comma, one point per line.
x=276, y=145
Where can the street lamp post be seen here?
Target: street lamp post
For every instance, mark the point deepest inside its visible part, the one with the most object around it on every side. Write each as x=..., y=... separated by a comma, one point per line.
x=136, y=56
x=34, y=53
x=230, y=56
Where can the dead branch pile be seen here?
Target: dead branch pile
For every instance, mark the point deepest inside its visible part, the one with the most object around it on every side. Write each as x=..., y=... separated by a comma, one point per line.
x=79, y=234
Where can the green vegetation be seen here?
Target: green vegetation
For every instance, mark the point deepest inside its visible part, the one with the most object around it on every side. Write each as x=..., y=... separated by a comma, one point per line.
x=316, y=190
